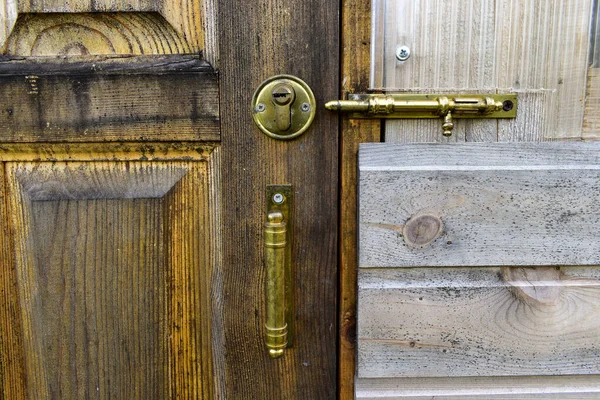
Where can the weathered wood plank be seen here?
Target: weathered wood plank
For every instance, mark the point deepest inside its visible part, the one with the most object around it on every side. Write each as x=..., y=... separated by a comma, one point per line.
x=478, y=322
x=452, y=45
x=106, y=101
x=13, y=384
x=537, y=49
x=115, y=263
x=123, y=151
x=591, y=122
x=192, y=21
x=356, y=31
x=71, y=35
x=544, y=46
x=497, y=388
x=479, y=204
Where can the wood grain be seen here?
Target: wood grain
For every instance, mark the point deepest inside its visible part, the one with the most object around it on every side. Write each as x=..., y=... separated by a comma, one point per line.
x=257, y=41
x=356, y=31
x=545, y=45
x=69, y=35
x=591, y=122
x=163, y=99
x=502, y=204
x=472, y=322
x=453, y=45
x=497, y=388
x=123, y=151
x=539, y=50
x=155, y=26
x=12, y=374
x=115, y=263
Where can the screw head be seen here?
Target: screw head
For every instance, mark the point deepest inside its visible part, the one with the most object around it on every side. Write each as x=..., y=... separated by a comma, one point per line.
x=402, y=53
x=507, y=105
x=305, y=107
x=278, y=198
x=260, y=107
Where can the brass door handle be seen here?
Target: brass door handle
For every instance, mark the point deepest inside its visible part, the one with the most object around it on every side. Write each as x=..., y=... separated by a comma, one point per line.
x=446, y=106
x=278, y=326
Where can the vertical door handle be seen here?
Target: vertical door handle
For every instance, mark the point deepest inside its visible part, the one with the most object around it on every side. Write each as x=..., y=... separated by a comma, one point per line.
x=278, y=270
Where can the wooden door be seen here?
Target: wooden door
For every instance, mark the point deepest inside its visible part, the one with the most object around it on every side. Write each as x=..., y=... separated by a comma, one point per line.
x=548, y=54
x=133, y=186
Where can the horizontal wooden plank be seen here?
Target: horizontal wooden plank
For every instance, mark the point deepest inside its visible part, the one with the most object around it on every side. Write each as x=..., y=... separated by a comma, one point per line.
x=113, y=64
x=497, y=388
x=109, y=151
x=164, y=99
x=478, y=204
x=436, y=322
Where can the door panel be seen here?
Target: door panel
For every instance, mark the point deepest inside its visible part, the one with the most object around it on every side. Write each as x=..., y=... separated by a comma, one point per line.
x=114, y=264
x=183, y=25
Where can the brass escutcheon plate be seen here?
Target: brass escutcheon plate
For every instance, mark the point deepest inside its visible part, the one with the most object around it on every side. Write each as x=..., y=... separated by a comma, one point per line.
x=277, y=119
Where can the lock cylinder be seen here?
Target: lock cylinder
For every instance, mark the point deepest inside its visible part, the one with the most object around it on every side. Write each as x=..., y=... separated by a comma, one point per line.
x=283, y=107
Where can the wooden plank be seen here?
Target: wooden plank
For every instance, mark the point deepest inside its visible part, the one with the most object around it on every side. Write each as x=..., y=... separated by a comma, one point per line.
x=537, y=49
x=492, y=321
x=497, y=388
x=544, y=46
x=123, y=151
x=479, y=204
x=452, y=45
x=591, y=122
x=257, y=41
x=356, y=31
x=163, y=99
x=12, y=363
x=191, y=20
x=70, y=35
x=115, y=263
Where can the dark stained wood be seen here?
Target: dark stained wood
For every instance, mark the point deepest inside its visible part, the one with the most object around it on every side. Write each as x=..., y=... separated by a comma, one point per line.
x=356, y=37
x=137, y=98
x=259, y=40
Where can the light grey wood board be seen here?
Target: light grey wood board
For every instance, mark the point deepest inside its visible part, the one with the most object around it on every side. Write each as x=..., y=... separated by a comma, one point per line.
x=434, y=322
x=479, y=204
x=497, y=388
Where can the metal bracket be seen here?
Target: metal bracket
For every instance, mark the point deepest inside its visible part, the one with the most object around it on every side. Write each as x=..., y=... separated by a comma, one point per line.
x=446, y=106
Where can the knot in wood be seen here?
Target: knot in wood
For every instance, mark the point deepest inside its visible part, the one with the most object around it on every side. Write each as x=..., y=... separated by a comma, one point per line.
x=421, y=230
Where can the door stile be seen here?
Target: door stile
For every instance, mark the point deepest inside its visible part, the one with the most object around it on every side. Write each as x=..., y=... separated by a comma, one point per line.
x=354, y=78
x=258, y=41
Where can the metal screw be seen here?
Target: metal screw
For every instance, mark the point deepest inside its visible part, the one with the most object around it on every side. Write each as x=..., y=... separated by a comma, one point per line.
x=402, y=53
x=260, y=107
x=278, y=198
x=507, y=105
x=305, y=107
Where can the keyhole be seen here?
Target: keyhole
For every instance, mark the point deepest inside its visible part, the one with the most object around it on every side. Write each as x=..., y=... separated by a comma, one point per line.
x=283, y=96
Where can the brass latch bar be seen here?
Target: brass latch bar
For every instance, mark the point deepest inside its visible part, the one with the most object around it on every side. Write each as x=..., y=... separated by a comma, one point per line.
x=446, y=106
